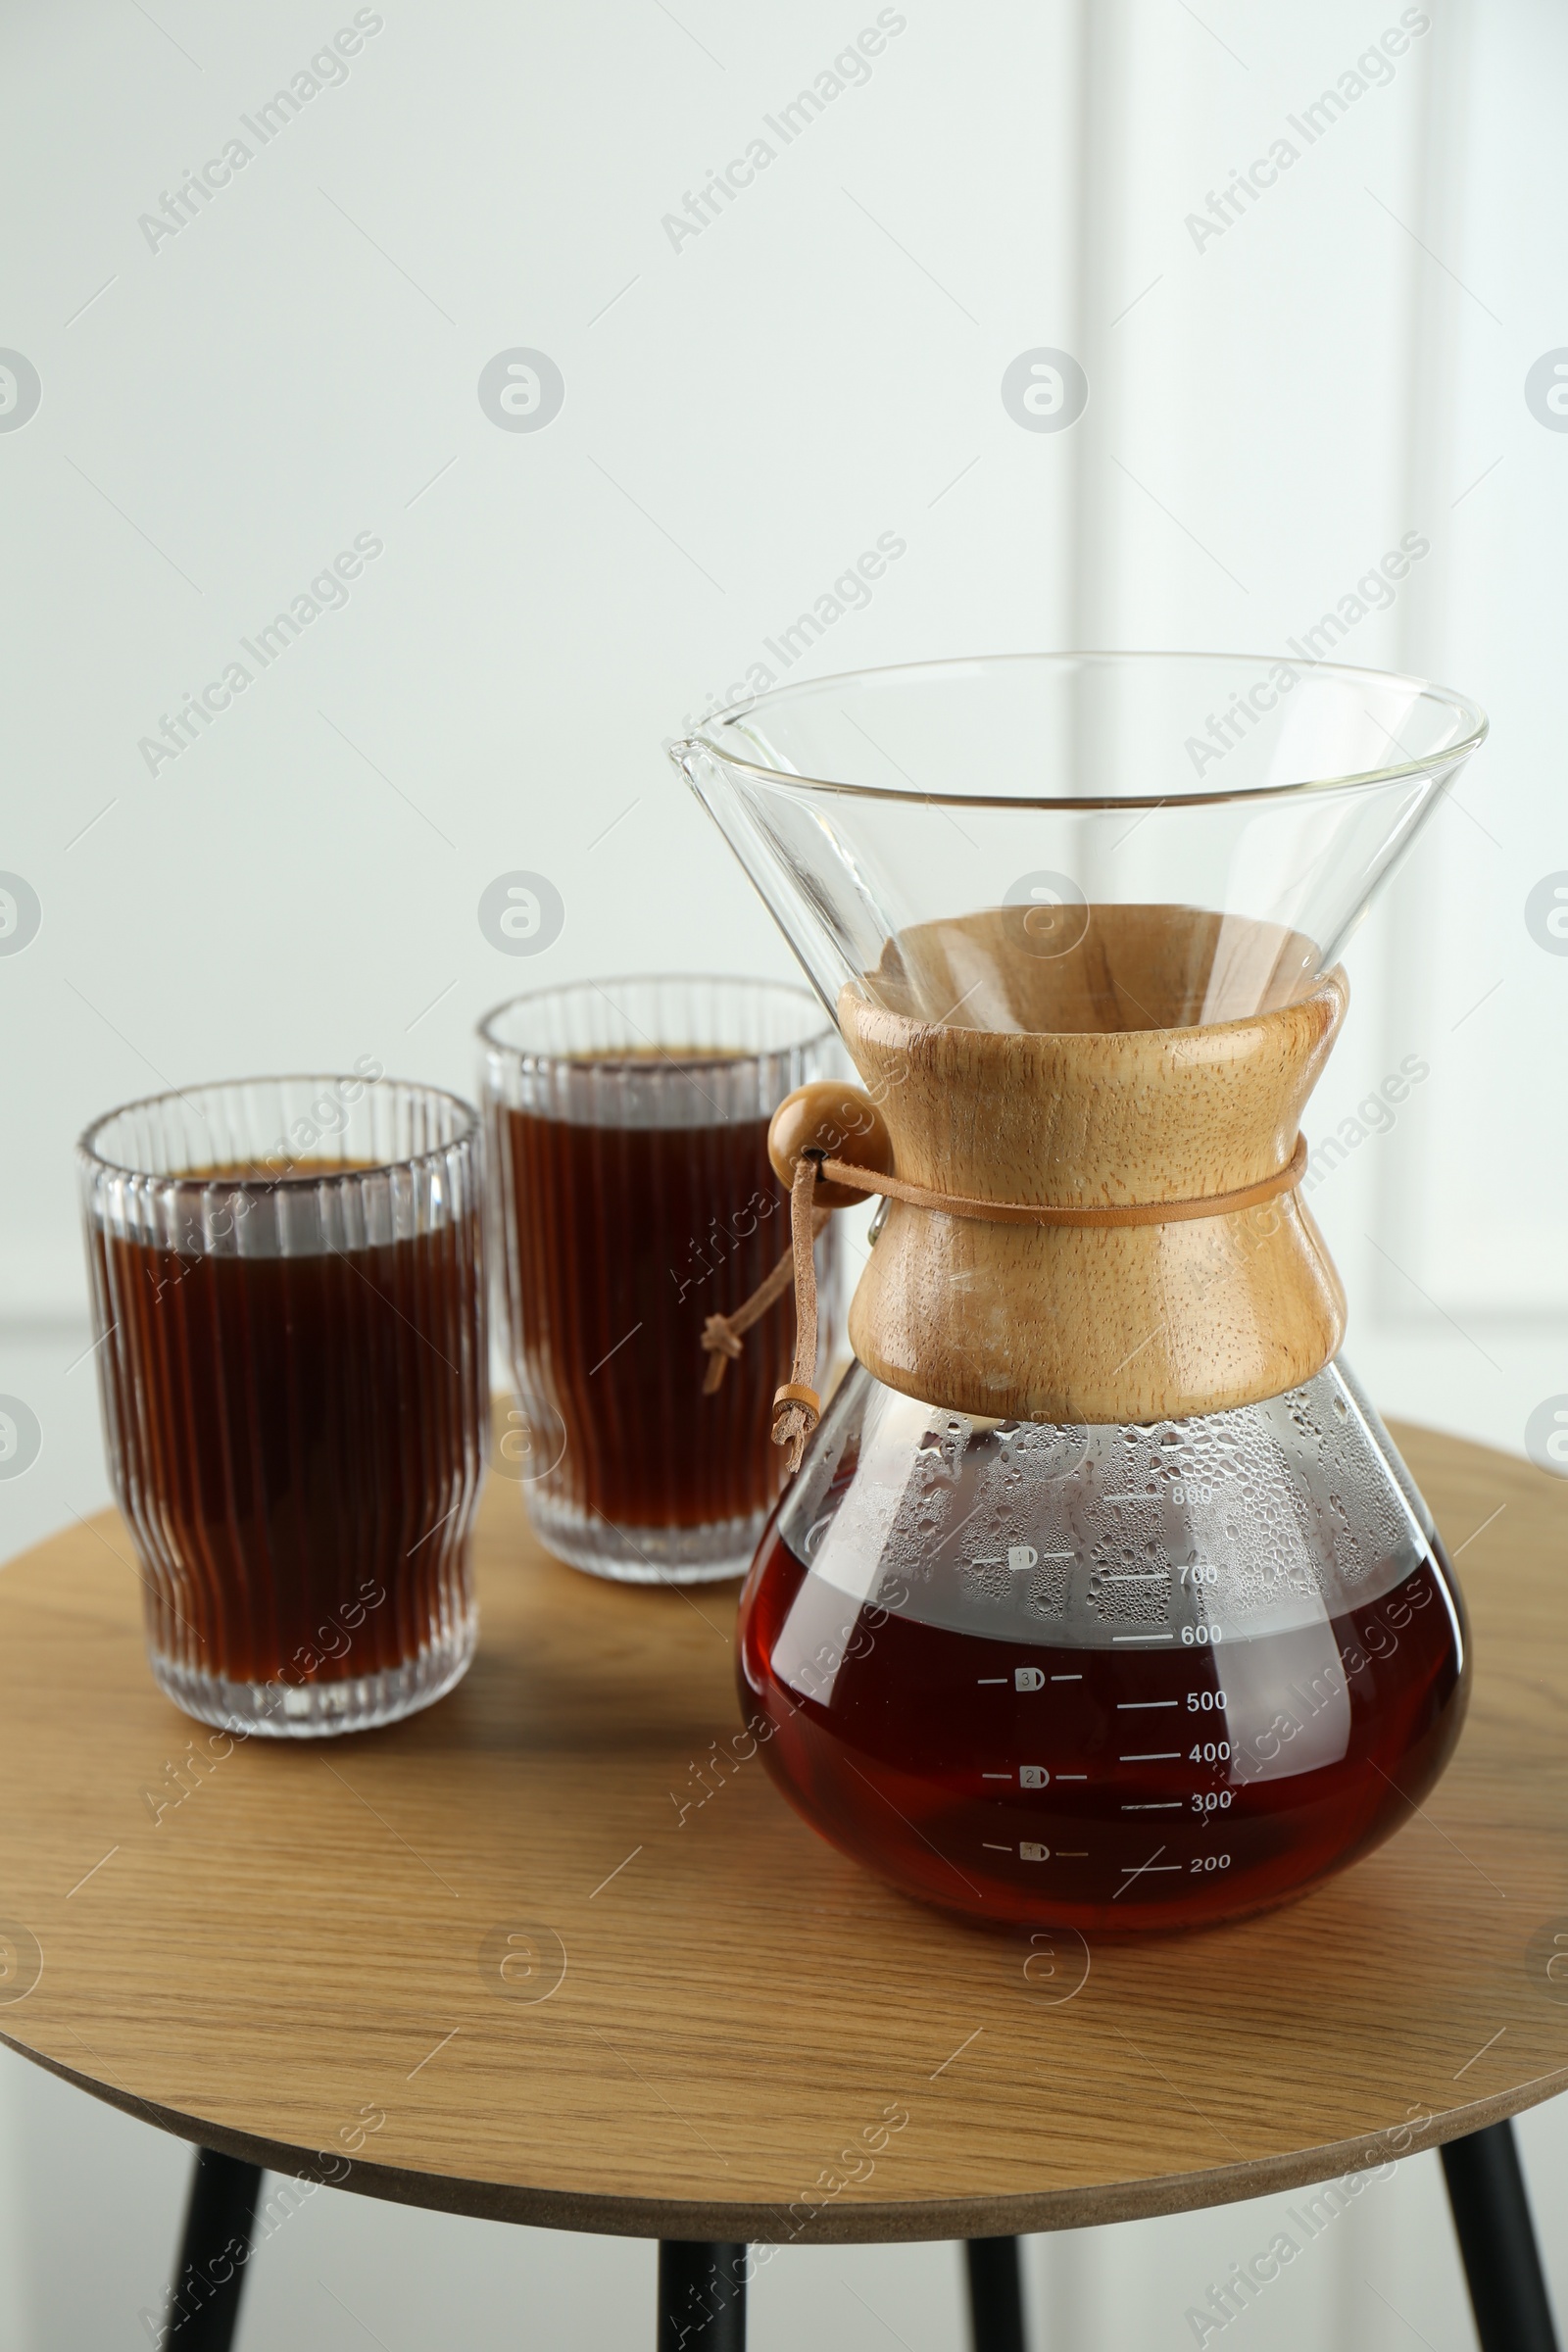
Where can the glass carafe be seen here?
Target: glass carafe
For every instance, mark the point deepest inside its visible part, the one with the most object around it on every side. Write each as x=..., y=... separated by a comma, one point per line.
x=1101, y=1596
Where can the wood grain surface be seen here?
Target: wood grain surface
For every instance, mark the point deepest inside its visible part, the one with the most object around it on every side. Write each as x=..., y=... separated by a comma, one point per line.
x=304, y=1959
x=1057, y=1078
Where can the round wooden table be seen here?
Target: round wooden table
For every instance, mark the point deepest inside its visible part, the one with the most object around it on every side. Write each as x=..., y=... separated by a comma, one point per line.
x=555, y=1952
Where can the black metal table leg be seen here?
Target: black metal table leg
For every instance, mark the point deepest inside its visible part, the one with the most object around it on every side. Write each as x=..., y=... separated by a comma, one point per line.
x=996, y=2294
x=1498, y=2242
x=204, y=2300
x=702, y=2296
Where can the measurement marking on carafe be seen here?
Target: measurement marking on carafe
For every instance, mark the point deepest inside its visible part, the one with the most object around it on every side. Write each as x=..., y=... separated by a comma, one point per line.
x=1075, y=1677
x=1143, y=1637
x=1172, y=1804
x=996, y=1776
x=1154, y=1755
x=1125, y=1707
x=1152, y=1864
x=995, y=1849
x=988, y=1682
x=1072, y=1776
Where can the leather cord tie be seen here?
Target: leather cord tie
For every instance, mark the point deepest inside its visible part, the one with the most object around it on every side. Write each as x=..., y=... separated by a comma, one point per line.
x=1044, y=1213
x=797, y=1407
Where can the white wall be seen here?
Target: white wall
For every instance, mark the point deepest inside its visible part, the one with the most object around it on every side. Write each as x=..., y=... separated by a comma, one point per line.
x=742, y=415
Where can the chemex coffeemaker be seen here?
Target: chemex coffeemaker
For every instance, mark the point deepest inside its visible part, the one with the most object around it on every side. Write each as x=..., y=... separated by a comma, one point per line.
x=1101, y=1597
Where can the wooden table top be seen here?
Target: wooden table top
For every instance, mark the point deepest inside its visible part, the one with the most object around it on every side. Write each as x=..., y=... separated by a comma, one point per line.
x=306, y=1960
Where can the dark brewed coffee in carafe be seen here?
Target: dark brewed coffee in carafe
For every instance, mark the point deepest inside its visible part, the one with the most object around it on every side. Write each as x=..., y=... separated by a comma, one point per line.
x=1104, y=1677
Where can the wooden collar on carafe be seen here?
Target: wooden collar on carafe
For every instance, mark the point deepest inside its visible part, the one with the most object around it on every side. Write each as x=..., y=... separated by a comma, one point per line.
x=821, y=1180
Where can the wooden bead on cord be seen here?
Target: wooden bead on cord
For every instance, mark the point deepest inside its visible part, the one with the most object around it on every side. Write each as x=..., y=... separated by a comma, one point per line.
x=837, y=1122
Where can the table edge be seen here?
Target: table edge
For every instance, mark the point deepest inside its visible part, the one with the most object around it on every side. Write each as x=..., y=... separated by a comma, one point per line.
x=916, y=2220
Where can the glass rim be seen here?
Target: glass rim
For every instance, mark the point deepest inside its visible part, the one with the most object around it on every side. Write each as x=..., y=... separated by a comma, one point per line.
x=757, y=983
x=303, y=1172
x=1469, y=713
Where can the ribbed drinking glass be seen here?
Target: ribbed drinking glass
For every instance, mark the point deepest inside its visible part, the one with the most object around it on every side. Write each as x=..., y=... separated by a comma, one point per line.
x=631, y=1198
x=289, y=1288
